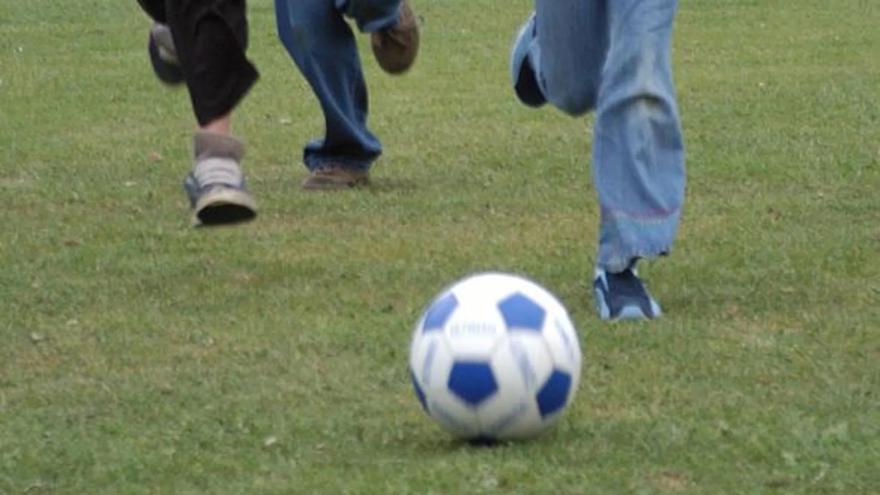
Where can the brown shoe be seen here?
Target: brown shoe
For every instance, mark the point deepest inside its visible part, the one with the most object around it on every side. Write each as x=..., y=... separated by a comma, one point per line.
x=396, y=47
x=333, y=176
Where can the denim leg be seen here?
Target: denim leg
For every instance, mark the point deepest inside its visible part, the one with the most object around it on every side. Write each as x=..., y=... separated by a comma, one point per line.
x=572, y=40
x=322, y=45
x=638, y=150
x=614, y=56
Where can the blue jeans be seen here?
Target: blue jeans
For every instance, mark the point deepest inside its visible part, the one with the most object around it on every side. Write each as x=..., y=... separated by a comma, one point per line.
x=318, y=38
x=614, y=57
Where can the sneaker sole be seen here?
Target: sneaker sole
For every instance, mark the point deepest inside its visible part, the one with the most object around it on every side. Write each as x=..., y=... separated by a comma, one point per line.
x=169, y=74
x=635, y=313
x=523, y=77
x=224, y=207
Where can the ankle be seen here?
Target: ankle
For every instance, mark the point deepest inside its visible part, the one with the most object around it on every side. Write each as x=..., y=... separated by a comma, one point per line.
x=208, y=144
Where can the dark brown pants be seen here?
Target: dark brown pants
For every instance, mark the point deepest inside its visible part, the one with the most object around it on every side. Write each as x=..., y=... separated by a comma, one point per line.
x=211, y=38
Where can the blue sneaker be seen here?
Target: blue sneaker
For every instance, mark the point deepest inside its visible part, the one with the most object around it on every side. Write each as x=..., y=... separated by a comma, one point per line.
x=622, y=296
x=524, y=58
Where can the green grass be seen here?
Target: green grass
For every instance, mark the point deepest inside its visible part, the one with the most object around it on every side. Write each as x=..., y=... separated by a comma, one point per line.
x=141, y=356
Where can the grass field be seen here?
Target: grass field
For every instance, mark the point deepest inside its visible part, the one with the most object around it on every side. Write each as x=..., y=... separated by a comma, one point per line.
x=141, y=356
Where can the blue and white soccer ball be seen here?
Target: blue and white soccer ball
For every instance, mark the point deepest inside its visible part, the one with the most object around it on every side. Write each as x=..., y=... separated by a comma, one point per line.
x=495, y=357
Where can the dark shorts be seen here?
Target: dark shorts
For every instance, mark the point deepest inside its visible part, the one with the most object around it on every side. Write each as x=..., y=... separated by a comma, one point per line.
x=211, y=39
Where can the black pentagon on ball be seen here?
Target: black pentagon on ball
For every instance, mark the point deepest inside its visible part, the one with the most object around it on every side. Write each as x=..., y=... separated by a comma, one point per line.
x=522, y=313
x=554, y=394
x=472, y=382
x=439, y=312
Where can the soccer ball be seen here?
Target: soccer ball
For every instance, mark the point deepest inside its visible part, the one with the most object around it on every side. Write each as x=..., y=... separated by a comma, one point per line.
x=495, y=357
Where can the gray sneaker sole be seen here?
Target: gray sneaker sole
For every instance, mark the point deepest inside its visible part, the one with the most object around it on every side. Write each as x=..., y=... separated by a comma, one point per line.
x=224, y=206
x=169, y=72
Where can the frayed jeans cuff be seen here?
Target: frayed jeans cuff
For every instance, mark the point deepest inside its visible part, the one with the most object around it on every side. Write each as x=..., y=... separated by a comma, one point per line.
x=618, y=262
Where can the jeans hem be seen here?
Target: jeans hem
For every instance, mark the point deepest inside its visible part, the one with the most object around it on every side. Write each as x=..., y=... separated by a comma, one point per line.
x=619, y=262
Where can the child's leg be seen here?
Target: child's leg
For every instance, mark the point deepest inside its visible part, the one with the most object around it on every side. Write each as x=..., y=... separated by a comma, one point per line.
x=210, y=39
x=323, y=47
x=638, y=152
x=572, y=39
